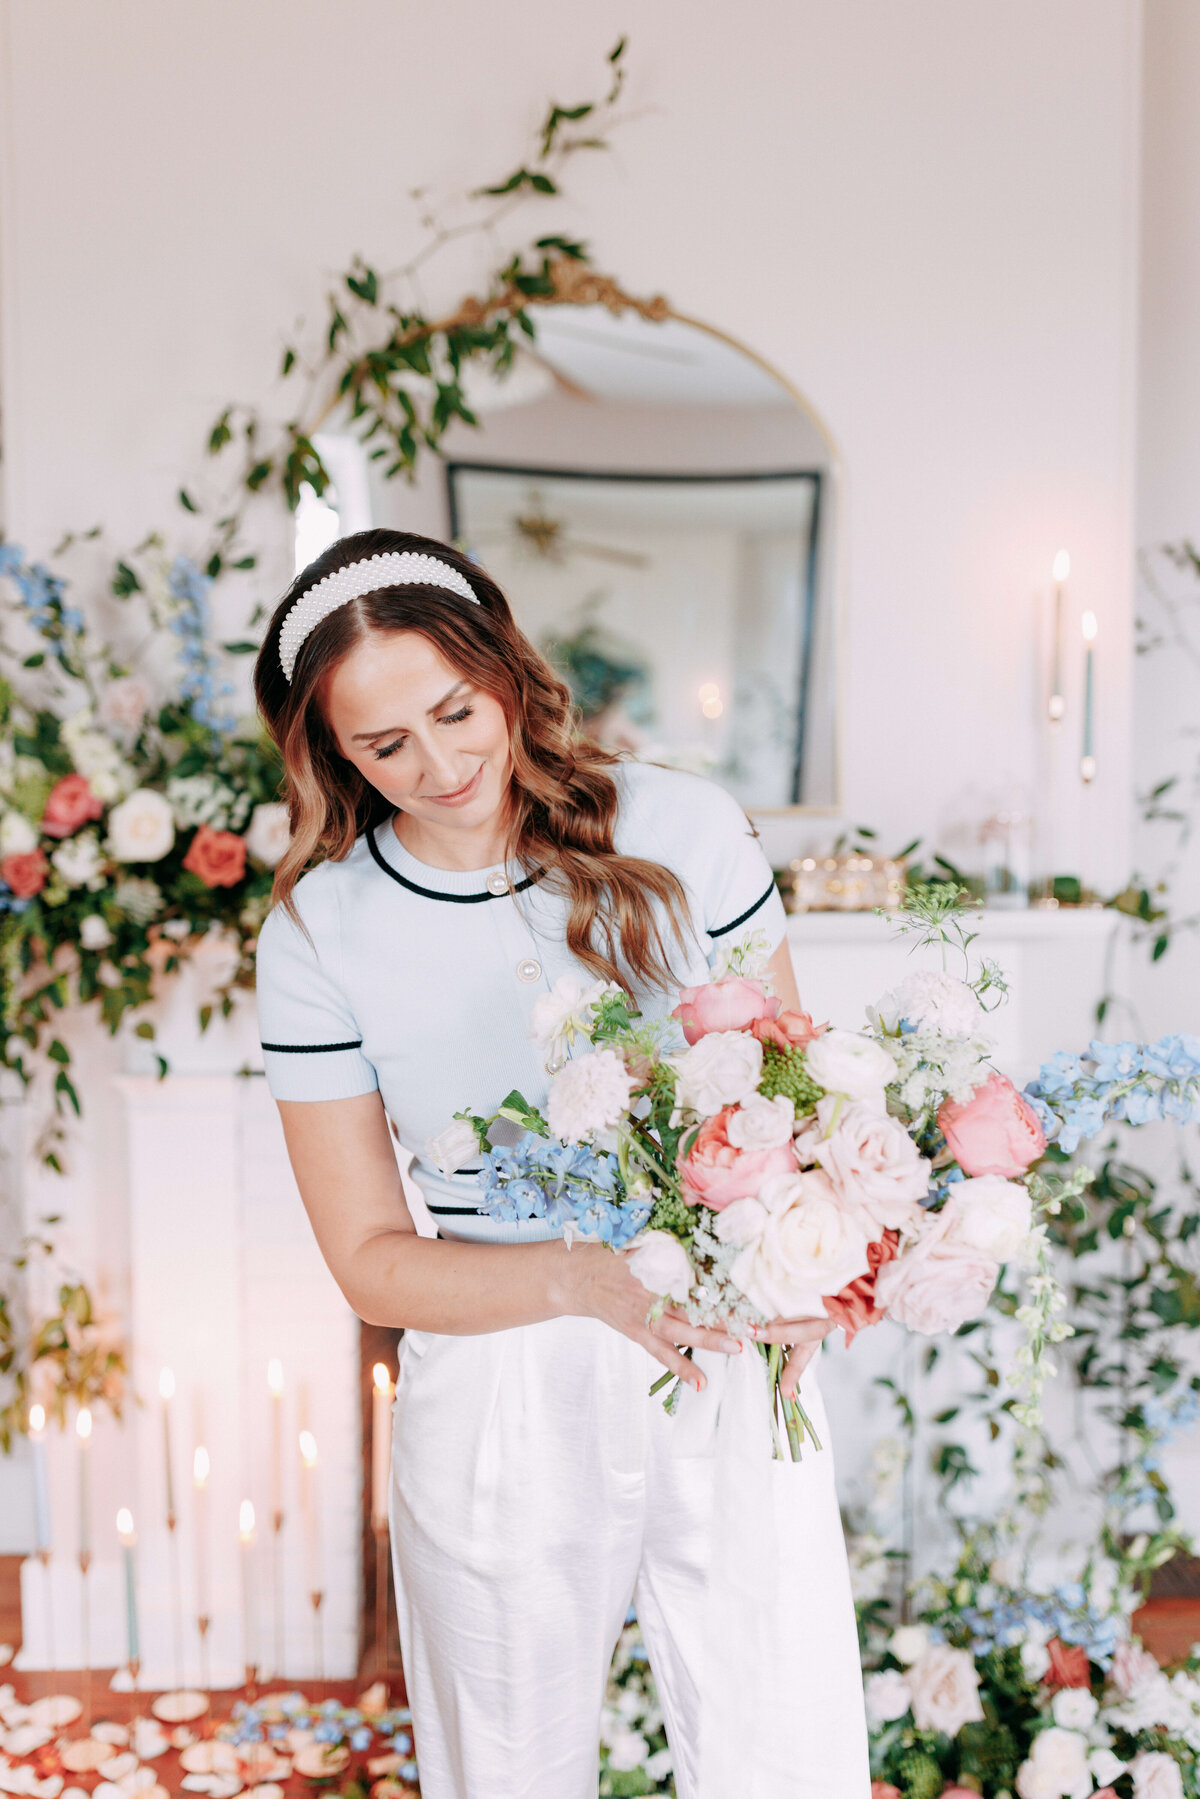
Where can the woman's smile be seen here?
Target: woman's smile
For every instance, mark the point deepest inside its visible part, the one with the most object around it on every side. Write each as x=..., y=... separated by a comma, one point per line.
x=461, y=795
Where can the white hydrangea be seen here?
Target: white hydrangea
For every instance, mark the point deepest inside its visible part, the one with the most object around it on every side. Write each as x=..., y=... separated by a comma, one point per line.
x=589, y=1096
x=96, y=757
x=80, y=861
x=205, y=799
x=928, y=999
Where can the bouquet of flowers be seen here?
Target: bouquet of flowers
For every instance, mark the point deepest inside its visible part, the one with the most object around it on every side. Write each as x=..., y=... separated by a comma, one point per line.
x=752, y=1165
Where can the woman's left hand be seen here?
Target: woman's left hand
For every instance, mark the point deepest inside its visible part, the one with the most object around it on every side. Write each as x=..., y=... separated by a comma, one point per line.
x=803, y=1337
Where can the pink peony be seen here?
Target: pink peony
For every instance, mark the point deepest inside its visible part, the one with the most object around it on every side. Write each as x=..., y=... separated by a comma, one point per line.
x=714, y=1172
x=24, y=873
x=936, y=1285
x=996, y=1131
x=71, y=803
x=787, y=1030
x=1131, y=1665
x=729, y=1005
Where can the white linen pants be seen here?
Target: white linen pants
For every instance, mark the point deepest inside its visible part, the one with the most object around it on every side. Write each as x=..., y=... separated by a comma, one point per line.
x=534, y=1493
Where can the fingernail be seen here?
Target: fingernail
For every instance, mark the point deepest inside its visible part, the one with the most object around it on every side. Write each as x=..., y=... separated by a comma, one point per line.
x=701, y=1384
x=732, y=1345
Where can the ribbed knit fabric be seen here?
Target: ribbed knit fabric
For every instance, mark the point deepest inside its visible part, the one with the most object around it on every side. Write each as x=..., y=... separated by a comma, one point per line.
x=420, y=980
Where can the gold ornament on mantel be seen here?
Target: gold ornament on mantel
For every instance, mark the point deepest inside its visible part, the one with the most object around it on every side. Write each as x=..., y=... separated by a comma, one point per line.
x=845, y=884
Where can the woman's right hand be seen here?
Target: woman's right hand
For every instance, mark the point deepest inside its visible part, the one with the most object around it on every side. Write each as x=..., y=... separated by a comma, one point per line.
x=600, y=1285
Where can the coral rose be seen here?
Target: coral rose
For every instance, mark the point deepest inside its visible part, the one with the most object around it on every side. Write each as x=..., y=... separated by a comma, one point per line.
x=715, y=1172
x=25, y=874
x=883, y=1789
x=723, y=1006
x=1068, y=1665
x=70, y=803
x=996, y=1131
x=854, y=1307
x=789, y=1030
x=218, y=858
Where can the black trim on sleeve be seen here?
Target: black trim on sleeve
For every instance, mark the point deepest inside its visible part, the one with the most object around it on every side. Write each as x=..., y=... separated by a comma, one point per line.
x=457, y=899
x=724, y=930
x=310, y=1049
x=456, y=1211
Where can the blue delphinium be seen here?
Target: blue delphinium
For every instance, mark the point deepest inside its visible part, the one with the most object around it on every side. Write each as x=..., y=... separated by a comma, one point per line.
x=564, y=1183
x=1128, y=1083
x=191, y=624
x=42, y=595
x=1065, y=1613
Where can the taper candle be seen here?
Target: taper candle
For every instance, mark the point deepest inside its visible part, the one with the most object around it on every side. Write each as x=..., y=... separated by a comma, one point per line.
x=246, y=1551
x=125, y=1532
x=310, y=1510
x=166, y=1392
x=275, y=1388
x=41, y=1485
x=1087, y=761
x=201, y=1468
x=381, y=1445
x=83, y=1431
x=1058, y=704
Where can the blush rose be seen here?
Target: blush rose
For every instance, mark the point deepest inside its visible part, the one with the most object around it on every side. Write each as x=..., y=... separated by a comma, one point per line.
x=24, y=874
x=996, y=1131
x=69, y=804
x=729, y=1005
x=716, y=1172
x=218, y=858
x=945, y=1690
x=938, y=1284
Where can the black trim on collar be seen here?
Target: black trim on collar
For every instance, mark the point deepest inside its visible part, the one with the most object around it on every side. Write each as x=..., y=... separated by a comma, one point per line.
x=310, y=1049
x=458, y=899
x=724, y=930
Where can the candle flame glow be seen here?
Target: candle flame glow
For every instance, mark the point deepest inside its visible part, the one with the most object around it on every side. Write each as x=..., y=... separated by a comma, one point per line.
x=83, y=1424
x=383, y=1379
x=1062, y=566
x=308, y=1449
x=37, y=1420
x=246, y=1521
x=1090, y=627
x=166, y=1384
x=275, y=1377
x=125, y=1524
x=201, y=1465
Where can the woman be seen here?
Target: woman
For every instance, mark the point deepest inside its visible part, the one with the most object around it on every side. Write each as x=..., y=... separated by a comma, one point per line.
x=471, y=851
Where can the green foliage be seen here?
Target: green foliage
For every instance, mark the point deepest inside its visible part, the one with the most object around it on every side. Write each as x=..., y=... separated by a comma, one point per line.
x=785, y=1071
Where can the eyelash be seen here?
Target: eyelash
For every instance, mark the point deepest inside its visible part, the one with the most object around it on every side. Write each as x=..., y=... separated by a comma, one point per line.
x=452, y=718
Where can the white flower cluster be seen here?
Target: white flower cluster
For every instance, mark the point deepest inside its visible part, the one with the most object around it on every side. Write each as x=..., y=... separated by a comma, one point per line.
x=17, y=835
x=929, y=1000
x=631, y=1716
x=205, y=799
x=589, y=1097
x=80, y=861
x=96, y=757
x=930, y=1066
x=566, y=1012
x=1159, y=1701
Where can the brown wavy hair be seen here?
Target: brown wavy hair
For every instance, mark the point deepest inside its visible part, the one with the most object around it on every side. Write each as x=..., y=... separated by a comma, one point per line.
x=563, y=796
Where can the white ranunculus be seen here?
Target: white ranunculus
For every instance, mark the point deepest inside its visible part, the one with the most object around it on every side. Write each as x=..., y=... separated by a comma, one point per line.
x=762, y=1123
x=125, y=703
x=566, y=1012
x=141, y=828
x=845, y=1062
x=269, y=833
x=1035, y=1659
x=872, y=1161
x=887, y=1695
x=930, y=1000
x=1074, y=1708
x=661, y=1263
x=944, y=1683
x=590, y=1095
x=1156, y=1775
x=79, y=860
x=805, y=1249
x=96, y=757
x=453, y=1148
x=1057, y=1767
x=909, y=1643
x=723, y=1069
x=94, y=933
x=1105, y=1767
x=990, y=1214
x=17, y=835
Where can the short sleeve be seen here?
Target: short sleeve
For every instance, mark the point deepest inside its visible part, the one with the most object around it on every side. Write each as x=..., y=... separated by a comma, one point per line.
x=312, y=1046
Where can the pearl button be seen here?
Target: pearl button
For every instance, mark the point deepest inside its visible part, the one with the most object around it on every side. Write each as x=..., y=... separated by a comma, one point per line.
x=529, y=970
x=497, y=884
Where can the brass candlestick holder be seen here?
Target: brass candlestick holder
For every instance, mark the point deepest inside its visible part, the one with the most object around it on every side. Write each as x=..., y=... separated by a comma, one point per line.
x=316, y=1600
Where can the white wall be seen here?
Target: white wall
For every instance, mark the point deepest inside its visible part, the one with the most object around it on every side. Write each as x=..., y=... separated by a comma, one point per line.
x=924, y=214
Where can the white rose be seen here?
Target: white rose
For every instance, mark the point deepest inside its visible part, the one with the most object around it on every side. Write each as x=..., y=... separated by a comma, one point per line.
x=96, y=758
x=934, y=1001
x=125, y=703
x=1073, y=1708
x=453, y=1148
x=79, y=860
x=804, y=1249
x=844, y=1062
x=590, y=1095
x=269, y=833
x=887, y=1695
x=762, y=1123
x=945, y=1690
x=141, y=828
x=909, y=1643
x=93, y=932
x=214, y=961
x=109, y=975
x=566, y=1012
x=627, y=1749
x=723, y=1069
x=1105, y=1767
x=1156, y=1776
x=873, y=1163
x=17, y=835
x=1035, y=1659
x=661, y=1263
x=990, y=1214
x=1057, y=1767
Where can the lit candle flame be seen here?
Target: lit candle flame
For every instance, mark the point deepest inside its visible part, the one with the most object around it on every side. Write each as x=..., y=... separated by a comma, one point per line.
x=166, y=1384
x=83, y=1424
x=383, y=1379
x=37, y=1420
x=125, y=1524
x=246, y=1521
x=275, y=1377
x=1090, y=627
x=201, y=1465
x=1062, y=566
x=308, y=1449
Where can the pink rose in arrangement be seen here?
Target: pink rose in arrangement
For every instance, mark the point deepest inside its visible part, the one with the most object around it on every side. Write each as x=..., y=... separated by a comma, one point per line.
x=873, y=1163
x=1131, y=1665
x=937, y=1284
x=729, y=1005
x=787, y=1030
x=883, y=1789
x=996, y=1131
x=71, y=803
x=25, y=873
x=217, y=857
x=945, y=1689
x=715, y=1172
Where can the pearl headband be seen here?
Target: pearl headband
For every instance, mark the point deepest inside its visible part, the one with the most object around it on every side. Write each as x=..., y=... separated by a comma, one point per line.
x=396, y=568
